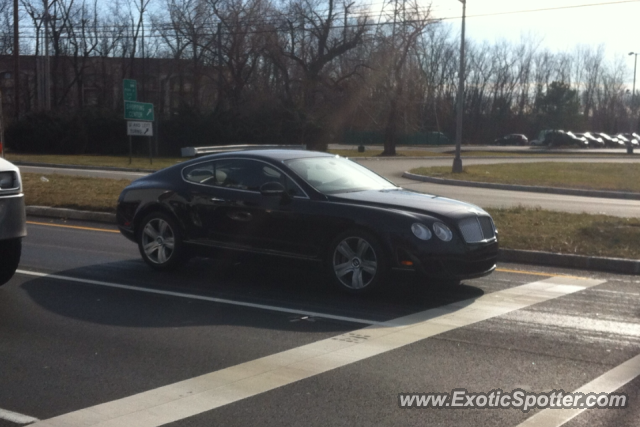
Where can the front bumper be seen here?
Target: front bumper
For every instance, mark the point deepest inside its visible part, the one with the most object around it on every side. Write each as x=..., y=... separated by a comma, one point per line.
x=477, y=261
x=13, y=218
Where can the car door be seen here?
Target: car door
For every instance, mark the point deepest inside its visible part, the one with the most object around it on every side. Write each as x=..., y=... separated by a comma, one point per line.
x=225, y=202
x=228, y=210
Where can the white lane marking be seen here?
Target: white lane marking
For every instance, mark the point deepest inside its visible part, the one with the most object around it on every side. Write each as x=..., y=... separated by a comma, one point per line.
x=202, y=298
x=206, y=392
x=17, y=418
x=608, y=382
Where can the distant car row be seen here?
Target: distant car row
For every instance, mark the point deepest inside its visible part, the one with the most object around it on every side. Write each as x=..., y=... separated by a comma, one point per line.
x=560, y=138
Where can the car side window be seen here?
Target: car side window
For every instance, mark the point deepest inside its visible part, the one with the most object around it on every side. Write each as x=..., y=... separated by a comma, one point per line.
x=240, y=174
x=204, y=173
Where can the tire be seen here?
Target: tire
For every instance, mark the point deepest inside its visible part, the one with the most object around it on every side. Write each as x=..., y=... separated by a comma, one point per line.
x=10, y=251
x=356, y=262
x=160, y=242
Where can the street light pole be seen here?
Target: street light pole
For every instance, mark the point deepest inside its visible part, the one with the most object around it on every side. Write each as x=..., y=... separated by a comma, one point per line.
x=633, y=93
x=457, y=161
x=633, y=98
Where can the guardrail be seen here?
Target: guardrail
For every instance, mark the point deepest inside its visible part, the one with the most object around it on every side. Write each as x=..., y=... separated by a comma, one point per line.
x=203, y=151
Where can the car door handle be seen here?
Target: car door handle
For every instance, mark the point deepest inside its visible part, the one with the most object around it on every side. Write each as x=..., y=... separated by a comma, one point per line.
x=241, y=216
x=217, y=200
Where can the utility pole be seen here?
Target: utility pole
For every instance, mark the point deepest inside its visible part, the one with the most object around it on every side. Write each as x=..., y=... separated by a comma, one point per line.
x=16, y=60
x=144, y=94
x=457, y=161
x=633, y=93
x=47, y=64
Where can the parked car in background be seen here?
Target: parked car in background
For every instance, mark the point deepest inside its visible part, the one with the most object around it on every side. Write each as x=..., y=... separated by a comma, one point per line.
x=611, y=141
x=512, y=139
x=309, y=206
x=594, y=141
x=629, y=140
x=12, y=220
x=560, y=138
x=540, y=139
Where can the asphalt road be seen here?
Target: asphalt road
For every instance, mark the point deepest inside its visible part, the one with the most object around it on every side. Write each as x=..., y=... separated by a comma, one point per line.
x=487, y=198
x=241, y=342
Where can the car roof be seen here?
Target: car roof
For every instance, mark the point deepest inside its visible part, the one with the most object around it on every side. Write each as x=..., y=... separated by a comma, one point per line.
x=272, y=154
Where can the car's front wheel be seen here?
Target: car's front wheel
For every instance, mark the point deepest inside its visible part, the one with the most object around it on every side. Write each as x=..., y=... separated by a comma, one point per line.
x=10, y=251
x=160, y=242
x=356, y=262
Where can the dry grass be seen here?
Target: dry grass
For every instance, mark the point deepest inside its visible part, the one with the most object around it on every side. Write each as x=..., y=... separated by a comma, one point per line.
x=73, y=192
x=581, y=234
x=112, y=161
x=598, y=176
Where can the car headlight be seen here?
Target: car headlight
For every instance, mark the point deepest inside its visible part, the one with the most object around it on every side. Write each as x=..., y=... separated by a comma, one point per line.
x=421, y=231
x=442, y=231
x=9, y=180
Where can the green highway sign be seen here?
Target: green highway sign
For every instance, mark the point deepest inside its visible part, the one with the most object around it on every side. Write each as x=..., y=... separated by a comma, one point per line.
x=138, y=111
x=130, y=90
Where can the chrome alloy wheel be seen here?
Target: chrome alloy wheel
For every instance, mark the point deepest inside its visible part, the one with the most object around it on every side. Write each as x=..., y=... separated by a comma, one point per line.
x=158, y=241
x=355, y=263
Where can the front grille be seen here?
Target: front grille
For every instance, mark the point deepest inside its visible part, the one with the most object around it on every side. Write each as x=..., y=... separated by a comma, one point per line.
x=477, y=229
x=488, y=230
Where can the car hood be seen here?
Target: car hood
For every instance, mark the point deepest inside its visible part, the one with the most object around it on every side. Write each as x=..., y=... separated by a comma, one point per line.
x=410, y=201
x=7, y=166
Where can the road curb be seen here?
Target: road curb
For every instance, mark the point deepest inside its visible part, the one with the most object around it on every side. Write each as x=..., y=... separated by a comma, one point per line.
x=527, y=188
x=615, y=265
x=83, y=167
x=62, y=213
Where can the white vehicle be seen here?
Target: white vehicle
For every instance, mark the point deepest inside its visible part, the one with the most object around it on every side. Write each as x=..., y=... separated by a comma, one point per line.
x=12, y=220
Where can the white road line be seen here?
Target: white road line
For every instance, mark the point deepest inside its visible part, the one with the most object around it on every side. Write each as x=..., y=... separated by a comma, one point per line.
x=606, y=383
x=17, y=418
x=206, y=392
x=202, y=298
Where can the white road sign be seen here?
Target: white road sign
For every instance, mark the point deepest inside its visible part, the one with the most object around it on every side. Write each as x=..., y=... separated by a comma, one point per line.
x=140, y=128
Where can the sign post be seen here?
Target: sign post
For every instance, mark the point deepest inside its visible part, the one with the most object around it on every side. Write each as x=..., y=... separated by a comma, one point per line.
x=139, y=115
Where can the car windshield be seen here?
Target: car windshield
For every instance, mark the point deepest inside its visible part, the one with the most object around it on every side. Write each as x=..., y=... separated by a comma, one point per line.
x=330, y=175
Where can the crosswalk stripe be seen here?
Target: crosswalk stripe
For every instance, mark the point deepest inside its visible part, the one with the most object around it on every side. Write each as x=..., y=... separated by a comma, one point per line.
x=608, y=382
x=206, y=392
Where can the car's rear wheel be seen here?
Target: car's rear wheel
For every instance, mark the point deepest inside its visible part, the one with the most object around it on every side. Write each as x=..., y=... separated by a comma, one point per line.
x=160, y=242
x=356, y=262
x=10, y=251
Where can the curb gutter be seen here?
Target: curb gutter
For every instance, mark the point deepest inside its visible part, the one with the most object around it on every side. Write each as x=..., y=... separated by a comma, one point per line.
x=614, y=265
x=529, y=188
x=62, y=213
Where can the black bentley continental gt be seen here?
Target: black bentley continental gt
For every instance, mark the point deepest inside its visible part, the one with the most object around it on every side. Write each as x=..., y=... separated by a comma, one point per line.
x=307, y=205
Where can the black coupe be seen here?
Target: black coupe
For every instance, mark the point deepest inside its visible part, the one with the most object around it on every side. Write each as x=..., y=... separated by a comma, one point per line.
x=306, y=205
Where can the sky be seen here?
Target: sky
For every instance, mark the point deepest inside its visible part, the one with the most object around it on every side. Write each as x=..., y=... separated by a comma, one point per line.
x=612, y=23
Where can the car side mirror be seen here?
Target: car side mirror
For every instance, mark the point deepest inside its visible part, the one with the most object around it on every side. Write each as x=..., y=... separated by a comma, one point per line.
x=270, y=189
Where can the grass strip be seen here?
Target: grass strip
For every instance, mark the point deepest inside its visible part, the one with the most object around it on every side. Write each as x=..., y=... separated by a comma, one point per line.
x=162, y=162
x=592, y=176
x=560, y=232
x=73, y=192
x=519, y=228
x=94, y=160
